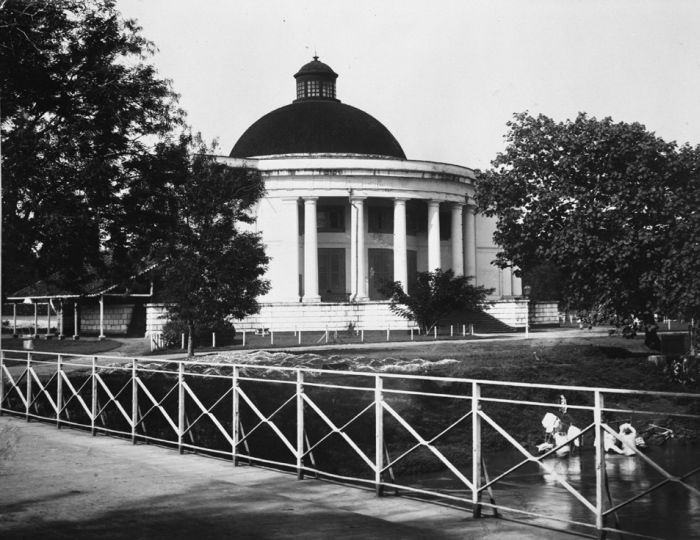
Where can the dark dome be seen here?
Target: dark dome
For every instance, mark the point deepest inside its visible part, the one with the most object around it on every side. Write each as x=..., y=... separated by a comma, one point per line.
x=317, y=126
x=315, y=67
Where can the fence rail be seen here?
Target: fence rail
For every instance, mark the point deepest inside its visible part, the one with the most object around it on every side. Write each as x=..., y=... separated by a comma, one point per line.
x=356, y=427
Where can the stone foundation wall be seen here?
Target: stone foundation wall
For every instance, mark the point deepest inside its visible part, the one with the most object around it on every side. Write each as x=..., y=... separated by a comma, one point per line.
x=117, y=318
x=298, y=316
x=544, y=314
x=511, y=312
x=156, y=317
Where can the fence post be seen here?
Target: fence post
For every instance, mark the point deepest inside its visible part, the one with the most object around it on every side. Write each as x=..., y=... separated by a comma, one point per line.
x=299, y=336
x=476, y=450
x=29, y=385
x=235, y=415
x=59, y=390
x=180, y=406
x=411, y=333
x=378, y=435
x=599, y=462
x=213, y=340
x=435, y=331
x=93, y=404
x=300, y=424
x=2, y=379
x=182, y=340
x=272, y=337
x=362, y=335
x=387, y=334
x=452, y=333
x=134, y=401
x=14, y=320
x=464, y=330
x=243, y=344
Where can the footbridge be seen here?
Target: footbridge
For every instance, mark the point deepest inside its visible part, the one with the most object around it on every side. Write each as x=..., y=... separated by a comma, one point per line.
x=380, y=454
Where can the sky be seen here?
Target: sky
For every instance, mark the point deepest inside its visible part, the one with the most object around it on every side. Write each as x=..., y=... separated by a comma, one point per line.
x=443, y=76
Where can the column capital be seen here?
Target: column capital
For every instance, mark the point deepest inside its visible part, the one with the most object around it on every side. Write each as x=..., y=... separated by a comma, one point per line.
x=357, y=198
x=433, y=202
x=400, y=200
x=309, y=199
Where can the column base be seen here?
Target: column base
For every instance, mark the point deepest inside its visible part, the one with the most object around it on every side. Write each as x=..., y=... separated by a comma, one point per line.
x=76, y=337
x=101, y=338
x=311, y=300
x=360, y=299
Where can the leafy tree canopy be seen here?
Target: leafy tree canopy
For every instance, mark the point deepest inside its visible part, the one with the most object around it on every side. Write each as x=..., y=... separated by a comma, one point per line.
x=433, y=296
x=80, y=102
x=188, y=215
x=611, y=205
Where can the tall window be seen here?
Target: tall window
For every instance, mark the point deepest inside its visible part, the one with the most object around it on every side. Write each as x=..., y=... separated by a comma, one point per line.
x=331, y=275
x=330, y=219
x=380, y=219
x=380, y=270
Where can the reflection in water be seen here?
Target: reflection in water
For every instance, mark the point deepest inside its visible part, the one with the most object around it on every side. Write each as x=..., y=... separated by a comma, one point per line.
x=669, y=512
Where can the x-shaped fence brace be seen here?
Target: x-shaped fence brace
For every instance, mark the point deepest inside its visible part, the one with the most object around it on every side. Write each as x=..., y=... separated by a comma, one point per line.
x=113, y=399
x=538, y=460
x=14, y=384
x=429, y=443
x=667, y=476
x=339, y=430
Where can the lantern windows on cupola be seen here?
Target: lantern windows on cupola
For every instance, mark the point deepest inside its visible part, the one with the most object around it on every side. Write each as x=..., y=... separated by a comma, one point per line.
x=315, y=80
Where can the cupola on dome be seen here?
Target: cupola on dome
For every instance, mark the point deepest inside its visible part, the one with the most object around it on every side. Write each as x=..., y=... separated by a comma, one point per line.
x=317, y=123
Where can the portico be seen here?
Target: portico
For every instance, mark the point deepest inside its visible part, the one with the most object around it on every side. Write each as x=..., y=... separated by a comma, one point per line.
x=347, y=224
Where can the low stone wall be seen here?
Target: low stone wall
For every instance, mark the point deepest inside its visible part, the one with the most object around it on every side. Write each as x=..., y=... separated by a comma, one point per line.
x=337, y=316
x=117, y=318
x=156, y=317
x=544, y=314
x=512, y=312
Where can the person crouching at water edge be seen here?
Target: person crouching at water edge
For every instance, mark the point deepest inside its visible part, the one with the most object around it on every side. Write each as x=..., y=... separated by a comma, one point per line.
x=625, y=443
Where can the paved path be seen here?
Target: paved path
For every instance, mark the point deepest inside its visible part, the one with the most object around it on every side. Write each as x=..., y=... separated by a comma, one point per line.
x=65, y=484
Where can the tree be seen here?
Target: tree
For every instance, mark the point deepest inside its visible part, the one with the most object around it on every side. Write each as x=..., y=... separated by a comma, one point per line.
x=192, y=212
x=610, y=205
x=434, y=295
x=79, y=104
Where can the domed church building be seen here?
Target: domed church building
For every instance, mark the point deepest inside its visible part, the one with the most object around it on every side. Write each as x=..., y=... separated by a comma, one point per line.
x=345, y=211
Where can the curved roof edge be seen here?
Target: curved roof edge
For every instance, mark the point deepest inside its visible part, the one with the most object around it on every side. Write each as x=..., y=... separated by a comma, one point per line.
x=345, y=161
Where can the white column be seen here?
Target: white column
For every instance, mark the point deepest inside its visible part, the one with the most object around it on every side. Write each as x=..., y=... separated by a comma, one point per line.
x=457, y=242
x=400, y=256
x=507, y=281
x=14, y=320
x=358, y=270
x=470, y=242
x=75, y=320
x=102, y=317
x=310, y=251
x=433, y=236
x=287, y=266
x=48, y=317
x=516, y=285
x=36, y=318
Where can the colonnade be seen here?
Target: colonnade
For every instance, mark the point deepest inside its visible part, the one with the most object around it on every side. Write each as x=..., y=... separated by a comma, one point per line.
x=462, y=244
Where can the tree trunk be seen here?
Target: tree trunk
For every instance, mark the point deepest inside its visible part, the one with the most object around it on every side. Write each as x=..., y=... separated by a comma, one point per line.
x=190, y=340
